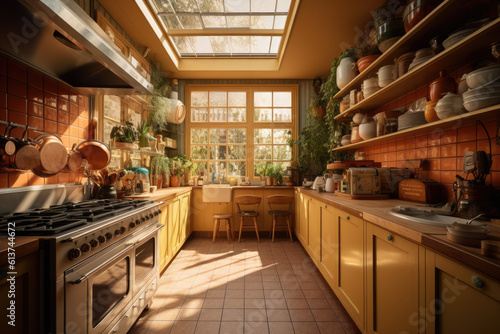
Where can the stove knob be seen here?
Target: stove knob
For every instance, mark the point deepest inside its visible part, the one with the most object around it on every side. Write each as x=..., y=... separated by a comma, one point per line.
x=117, y=232
x=155, y=213
x=74, y=253
x=123, y=229
x=143, y=219
x=137, y=221
x=94, y=243
x=132, y=225
x=109, y=236
x=101, y=239
x=85, y=248
x=151, y=215
x=159, y=211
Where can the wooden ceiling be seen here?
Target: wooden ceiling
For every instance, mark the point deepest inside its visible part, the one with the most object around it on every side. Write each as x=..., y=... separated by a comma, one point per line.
x=321, y=31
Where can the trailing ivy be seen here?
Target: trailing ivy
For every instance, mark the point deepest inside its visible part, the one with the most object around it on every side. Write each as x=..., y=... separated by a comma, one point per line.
x=157, y=117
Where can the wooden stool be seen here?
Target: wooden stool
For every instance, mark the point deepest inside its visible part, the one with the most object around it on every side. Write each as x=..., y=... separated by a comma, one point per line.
x=217, y=219
x=253, y=203
x=276, y=203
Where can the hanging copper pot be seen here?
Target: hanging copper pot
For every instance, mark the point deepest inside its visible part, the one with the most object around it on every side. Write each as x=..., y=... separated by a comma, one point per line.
x=25, y=156
x=53, y=155
x=75, y=159
x=95, y=152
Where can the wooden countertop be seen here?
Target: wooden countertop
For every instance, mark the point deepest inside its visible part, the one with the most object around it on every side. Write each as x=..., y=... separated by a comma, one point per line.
x=23, y=246
x=161, y=194
x=432, y=237
x=255, y=187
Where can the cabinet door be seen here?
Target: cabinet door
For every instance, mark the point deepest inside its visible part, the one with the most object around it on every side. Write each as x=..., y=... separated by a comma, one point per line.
x=314, y=223
x=392, y=265
x=184, y=217
x=173, y=226
x=459, y=299
x=349, y=275
x=304, y=219
x=163, y=242
x=296, y=226
x=329, y=246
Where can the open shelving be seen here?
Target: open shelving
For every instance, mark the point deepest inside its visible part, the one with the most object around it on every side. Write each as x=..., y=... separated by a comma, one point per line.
x=441, y=125
x=469, y=50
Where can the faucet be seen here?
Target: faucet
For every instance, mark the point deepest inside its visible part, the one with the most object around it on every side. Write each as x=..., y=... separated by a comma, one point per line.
x=476, y=217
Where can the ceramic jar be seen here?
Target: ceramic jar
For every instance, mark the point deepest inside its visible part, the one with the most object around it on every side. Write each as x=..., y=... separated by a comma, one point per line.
x=386, y=75
x=346, y=71
x=368, y=128
x=346, y=140
x=358, y=118
x=450, y=105
x=430, y=112
x=441, y=86
x=355, y=138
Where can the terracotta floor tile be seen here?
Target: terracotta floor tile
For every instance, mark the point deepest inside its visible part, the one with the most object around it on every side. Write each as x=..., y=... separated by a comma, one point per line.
x=256, y=328
x=183, y=327
x=276, y=303
x=280, y=328
x=324, y=315
x=188, y=314
x=254, y=293
x=233, y=314
x=167, y=314
x=255, y=314
x=318, y=303
x=160, y=327
x=207, y=327
x=210, y=314
x=234, y=303
x=330, y=327
x=141, y=327
x=255, y=303
x=301, y=315
x=278, y=315
x=305, y=328
x=233, y=327
x=213, y=303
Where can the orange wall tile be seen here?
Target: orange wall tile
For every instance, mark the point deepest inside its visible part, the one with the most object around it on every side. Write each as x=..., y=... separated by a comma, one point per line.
x=27, y=96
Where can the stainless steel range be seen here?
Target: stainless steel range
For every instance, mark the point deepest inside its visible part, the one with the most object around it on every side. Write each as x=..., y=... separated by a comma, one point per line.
x=100, y=261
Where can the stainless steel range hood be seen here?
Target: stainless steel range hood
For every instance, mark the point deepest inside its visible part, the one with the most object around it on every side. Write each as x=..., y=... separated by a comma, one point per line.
x=59, y=38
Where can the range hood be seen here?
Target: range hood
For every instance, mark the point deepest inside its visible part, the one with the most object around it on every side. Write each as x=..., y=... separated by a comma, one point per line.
x=60, y=39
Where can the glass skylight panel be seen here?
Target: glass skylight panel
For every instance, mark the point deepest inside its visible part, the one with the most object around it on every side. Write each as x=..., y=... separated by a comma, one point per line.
x=189, y=23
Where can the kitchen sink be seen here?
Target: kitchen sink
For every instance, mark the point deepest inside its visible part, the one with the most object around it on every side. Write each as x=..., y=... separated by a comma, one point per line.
x=426, y=216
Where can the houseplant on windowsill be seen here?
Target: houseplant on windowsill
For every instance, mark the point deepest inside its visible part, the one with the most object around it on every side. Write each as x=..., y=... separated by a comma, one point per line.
x=159, y=167
x=179, y=165
x=124, y=135
x=277, y=175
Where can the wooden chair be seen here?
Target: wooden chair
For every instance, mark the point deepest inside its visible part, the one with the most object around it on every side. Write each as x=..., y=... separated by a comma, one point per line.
x=253, y=202
x=222, y=217
x=276, y=205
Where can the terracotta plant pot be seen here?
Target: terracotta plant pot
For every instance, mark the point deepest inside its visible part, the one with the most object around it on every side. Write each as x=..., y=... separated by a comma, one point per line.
x=275, y=181
x=175, y=181
x=442, y=85
x=269, y=181
x=165, y=180
x=430, y=112
x=364, y=62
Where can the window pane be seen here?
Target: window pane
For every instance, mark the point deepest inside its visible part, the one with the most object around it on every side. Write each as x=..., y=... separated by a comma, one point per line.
x=260, y=44
x=202, y=167
x=262, y=136
x=218, y=99
x=171, y=22
x=263, y=152
x=201, y=44
x=190, y=21
x=199, y=152
x=262, y=22
x=237, y=99
x=199, y=136
x=214, y=21
x=237, y=5
x=263, y=115
x=240, y=44
x=218, y=136
x=283, y=5
x=219, y=168
x=220, y=44
x=259, y=167
x=237, y=152
x=183, y=44
x=163, y=6
x=263, y=99
x=281, y=136
x=211, y=6
x=237, y=136
x=237, y=168
x=279, y=22
x=275, y=44
x=237, y=115
x=218, y=152
x=218, y=114
x=282, y=99
x=199, y=114
x=282, y=115
x=263, y=5
x=238, y=21
x=199, y=99
x=184, y=5
x=282, y=152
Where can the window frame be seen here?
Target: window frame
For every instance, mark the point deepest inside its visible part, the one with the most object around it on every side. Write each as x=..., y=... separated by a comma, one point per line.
x=250, y=125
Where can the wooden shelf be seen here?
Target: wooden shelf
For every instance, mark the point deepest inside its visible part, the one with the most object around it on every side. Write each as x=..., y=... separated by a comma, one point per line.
x=469, y=50
x=439, y=126
x=444, y=15
x=135, y=150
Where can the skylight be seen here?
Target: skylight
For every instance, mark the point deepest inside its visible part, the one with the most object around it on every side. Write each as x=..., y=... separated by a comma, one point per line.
x=225, y=28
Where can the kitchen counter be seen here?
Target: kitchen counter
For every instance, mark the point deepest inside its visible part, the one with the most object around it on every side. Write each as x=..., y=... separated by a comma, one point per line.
x=254, y=187
x=23, y=246
x=161, y=194
x=432, y=237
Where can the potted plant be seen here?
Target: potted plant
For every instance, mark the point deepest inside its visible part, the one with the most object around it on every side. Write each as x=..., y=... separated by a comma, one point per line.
x=277, y=175
x=159, y=166
x=144, y=136
x=366, y=51
x=179, y=165
x=124, y=135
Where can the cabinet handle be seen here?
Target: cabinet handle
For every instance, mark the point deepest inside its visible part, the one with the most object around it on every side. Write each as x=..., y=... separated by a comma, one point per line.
x=390, y=237
x=326, y=206
x=347, y=217
x=478, y=283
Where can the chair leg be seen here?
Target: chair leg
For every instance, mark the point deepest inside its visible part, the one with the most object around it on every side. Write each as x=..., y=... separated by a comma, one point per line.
x=216, y=229
x=228, y=230
x=256, y=228
x=241, y=227
x=274, y=227
x=289, y=227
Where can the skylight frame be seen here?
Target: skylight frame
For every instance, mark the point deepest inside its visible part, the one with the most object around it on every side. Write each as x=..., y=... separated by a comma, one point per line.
x=275, y=36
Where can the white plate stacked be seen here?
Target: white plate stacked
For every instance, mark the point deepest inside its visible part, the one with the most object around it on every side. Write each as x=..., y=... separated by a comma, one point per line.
x=485, y=88
x=457, y=37
x=411, y=119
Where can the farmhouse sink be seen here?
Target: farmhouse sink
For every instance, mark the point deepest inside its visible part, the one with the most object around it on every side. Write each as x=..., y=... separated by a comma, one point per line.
x=426, y=216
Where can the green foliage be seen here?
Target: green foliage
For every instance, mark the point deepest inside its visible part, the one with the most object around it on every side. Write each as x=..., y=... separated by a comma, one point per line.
x=162, y=107
x=180, y=163
x=265, y=170
x=277, y=172
x=143, y=128
x=319, y=136
x=124, y=133
x=160, y=165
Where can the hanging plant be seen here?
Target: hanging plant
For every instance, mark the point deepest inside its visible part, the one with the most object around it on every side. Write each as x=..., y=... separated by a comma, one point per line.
x=162, y=107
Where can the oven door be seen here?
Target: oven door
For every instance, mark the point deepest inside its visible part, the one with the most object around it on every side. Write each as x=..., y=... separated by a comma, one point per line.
x=98, y=289
x=146, y=253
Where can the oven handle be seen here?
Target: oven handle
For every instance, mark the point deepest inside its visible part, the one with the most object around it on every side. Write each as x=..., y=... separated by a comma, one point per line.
x=129, y=246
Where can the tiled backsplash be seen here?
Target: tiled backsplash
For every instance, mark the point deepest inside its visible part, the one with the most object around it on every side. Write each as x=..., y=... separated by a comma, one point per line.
x=443, y=149
x=30, y=97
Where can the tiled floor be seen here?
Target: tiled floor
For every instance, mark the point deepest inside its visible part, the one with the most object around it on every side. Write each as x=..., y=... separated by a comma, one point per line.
x=244, y=288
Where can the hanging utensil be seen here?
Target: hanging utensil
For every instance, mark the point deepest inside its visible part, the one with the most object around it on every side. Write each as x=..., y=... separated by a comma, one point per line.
x=75, y=159
x=53, y=155
x=26, y=155
x=95, y=152
x=7, y=144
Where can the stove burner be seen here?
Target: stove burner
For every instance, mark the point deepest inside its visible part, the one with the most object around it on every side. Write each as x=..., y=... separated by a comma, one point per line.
x=66, y=216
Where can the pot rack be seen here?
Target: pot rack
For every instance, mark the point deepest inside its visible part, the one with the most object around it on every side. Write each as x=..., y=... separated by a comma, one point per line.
x=17, y=125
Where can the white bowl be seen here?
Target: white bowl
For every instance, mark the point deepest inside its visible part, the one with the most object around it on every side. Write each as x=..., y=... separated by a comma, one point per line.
x=450, y=105
x=484, y=76
x=480, y=96
x=457, y=37
x=386, y=75
x=370, y=82
x=476, y=104
x=491, y=89
x=369, y=91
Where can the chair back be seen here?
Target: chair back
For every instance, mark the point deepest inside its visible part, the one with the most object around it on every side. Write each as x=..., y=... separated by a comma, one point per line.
x=280, y=201
x=247, y=201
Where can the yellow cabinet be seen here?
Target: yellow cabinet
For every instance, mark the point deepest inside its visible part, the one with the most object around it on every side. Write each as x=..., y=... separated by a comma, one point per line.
x=185, y=226
x=349, y=267
x=459, y=299
x=314, y=233
x=392, y=272
x=173, y=227
x=303, y=219
x=329, y=246
x=164, y=253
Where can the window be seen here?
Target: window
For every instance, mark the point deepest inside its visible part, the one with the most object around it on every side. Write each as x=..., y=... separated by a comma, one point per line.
x=236, y=130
